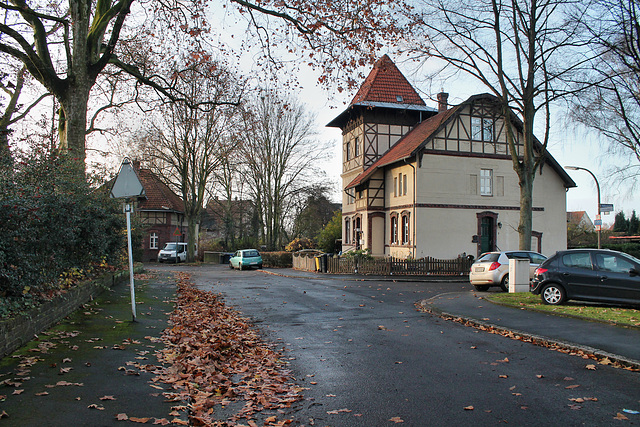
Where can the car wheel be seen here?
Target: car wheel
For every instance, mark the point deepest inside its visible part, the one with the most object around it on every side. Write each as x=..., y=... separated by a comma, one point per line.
x=481, y=288
x=259, y=266
x=504, y=285
x=553, y=294
x=231, y=266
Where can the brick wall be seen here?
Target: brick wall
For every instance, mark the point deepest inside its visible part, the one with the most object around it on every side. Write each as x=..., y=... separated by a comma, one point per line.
x=17, y=331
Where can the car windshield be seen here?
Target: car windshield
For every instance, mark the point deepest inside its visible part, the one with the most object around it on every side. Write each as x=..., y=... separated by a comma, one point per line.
x=169, y=247
x=489, y=257
x=249, y=254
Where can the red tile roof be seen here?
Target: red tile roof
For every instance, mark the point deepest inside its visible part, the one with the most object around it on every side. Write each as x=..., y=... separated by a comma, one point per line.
x=385, y=83
x=407, y=146
x=159, y=195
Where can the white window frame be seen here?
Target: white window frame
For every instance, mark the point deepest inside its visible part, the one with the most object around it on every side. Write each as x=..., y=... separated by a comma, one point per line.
x=405, y=229
x=394, y=229
x=153, y=240
x=481, y=129
x=486, y=182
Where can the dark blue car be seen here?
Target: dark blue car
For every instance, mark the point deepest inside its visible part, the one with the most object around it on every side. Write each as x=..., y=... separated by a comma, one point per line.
x=589, y=275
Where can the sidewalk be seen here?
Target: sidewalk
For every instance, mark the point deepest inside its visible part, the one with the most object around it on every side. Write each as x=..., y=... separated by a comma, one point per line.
x=614, y=342
x=94, y=366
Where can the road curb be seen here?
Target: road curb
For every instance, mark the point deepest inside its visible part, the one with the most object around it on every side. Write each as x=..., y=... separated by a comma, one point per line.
x=600, y=355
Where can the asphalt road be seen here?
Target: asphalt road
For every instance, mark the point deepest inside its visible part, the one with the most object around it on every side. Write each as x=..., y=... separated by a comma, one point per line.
x=369, y=358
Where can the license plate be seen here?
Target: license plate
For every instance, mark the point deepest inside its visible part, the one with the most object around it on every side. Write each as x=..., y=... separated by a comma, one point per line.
x=479, y=269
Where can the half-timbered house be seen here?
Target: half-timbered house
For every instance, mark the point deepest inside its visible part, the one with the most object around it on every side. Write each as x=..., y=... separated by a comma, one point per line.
x=421, y=181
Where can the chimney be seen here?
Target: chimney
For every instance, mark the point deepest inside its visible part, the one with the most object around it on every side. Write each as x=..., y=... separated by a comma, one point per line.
x=442, y=101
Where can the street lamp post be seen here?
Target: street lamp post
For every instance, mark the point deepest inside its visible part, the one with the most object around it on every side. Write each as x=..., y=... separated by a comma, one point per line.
x=598, y=218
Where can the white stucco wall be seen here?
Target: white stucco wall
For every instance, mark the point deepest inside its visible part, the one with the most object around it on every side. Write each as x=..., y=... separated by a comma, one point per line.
x=447, y=204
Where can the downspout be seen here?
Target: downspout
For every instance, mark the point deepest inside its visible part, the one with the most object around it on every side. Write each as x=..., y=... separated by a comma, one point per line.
x=413, y=214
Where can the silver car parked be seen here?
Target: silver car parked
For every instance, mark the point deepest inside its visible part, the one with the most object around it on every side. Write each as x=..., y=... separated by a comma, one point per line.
x=492, y=268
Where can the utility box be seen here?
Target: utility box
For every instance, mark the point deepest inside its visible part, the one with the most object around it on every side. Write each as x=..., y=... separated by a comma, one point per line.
x=518, y=275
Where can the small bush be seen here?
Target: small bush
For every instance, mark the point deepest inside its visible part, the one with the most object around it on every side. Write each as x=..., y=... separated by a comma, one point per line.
x=300, y=243
x=277, y=259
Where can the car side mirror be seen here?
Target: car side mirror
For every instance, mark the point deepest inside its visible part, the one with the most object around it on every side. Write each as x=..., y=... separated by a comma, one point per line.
x=633, y=272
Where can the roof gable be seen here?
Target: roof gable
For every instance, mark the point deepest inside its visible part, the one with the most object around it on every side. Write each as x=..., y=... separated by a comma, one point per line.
x=417, y=138
x=386, y=84
x=159, y=195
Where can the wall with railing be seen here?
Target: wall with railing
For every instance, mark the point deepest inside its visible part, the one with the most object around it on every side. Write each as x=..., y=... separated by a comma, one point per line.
x=385, y=266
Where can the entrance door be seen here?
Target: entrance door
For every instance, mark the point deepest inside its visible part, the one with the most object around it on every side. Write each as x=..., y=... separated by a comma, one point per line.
x=486, y=235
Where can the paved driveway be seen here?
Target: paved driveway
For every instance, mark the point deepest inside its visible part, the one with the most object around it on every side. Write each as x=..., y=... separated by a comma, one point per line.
x=369, y=358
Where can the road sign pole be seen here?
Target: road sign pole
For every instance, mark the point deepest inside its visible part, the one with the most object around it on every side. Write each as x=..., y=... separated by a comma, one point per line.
x=127, y=209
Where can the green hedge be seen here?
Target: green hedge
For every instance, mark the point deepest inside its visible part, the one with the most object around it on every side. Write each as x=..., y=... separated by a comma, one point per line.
x=277, y=259
x=54, y=227
x=632, y=249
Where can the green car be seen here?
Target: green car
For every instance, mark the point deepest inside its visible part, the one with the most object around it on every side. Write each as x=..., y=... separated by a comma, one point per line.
x=246, y=258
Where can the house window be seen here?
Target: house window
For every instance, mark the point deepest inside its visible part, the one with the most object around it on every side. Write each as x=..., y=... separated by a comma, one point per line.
x=395, y=186
x=357, y=146
x=481, y=129
x=405, y=229
x=400, y=184
x=404, y=185
x=347, y=230
x=394, y=229
x=486, y=182
x=348, y=150
x=153, y=241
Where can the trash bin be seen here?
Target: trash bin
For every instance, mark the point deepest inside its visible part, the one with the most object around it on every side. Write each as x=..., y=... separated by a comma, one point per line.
x=317, y=258
x=323, y=263
x=224, y=258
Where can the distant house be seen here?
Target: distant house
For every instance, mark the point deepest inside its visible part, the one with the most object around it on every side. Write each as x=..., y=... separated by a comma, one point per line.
x=580, y=220
x=161, y=212
x=421, y=181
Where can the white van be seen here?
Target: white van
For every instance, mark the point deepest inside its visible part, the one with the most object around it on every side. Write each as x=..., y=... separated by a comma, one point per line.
x=168, y=253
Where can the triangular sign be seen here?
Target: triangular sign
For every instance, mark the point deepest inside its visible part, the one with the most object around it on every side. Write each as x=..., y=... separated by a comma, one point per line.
x=177, y=232
x=127, y=184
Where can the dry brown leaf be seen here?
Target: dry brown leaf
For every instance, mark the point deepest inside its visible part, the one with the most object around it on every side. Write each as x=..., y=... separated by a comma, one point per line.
x=396, y=420
x=122, y=417
x=107, y=398
x=591, y=367
x=139, y=420
x=620, y=416
x=468, y=408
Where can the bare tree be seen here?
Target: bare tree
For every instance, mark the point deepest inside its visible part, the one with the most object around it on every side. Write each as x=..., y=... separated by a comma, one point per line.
x=523, y=51
x=188, y=141
x=611, y=105
x=66, y=45
x=12, y=85
x=281, y=158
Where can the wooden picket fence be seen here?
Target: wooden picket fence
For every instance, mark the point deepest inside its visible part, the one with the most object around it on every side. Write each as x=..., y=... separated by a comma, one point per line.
x=388, y=266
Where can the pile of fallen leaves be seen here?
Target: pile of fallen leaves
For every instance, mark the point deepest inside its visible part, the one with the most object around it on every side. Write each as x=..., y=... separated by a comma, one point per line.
x=216, y=361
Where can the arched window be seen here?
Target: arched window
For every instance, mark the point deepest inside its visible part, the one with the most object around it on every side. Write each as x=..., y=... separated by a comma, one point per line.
x=405, y=228
x=347, y=230
x=394, y=228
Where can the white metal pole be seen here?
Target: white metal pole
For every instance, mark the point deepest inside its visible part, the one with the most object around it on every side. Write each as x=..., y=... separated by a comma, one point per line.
x=133, y=290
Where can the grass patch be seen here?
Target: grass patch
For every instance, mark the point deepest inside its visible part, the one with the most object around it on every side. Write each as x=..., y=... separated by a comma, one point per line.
x=620, y=315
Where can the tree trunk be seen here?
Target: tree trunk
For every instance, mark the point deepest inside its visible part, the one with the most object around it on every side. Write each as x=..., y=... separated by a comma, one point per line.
x=526, y=206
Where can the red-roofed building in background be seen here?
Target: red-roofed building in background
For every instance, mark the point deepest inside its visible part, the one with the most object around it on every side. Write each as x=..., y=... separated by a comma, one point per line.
x=421, y=181
x=162, y=214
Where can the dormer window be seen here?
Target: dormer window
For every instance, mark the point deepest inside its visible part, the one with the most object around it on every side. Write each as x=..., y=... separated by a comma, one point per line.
x=399, y=98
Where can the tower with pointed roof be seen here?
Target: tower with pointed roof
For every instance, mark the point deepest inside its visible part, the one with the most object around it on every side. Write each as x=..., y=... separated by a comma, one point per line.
x=385, y=108
x=421, y=181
